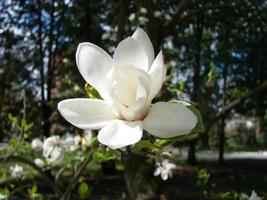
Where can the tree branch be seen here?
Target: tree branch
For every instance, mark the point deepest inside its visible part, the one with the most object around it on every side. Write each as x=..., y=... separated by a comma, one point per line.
x=122, y=16
x=262, y=87
x=76, y=177
x=182, y=6
x=178, y=17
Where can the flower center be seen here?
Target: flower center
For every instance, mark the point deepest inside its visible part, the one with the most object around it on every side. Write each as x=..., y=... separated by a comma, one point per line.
x=130, y=91
x=131, y=113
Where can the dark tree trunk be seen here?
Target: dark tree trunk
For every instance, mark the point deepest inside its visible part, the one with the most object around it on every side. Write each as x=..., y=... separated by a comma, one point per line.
x=85, y=33
x=222, y=140
x=49, y=69
x=224, y=89
x=41, y=68
x=137, y=177
x=154, y=26
x=196, y=79
x=122, y=16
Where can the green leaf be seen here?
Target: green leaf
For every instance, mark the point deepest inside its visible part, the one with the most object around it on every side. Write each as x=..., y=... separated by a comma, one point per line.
x=34, y=189
x=143, y=144
x=25, y=136
x=103, y=156
x=213, y=73
x=199, y=128
x=202, y=177
x=4, y=191
x=95, y=143
x=116, y=153
x=84, y=191
x=3, y=177
x=29, y=126
x=91, y=92
x=181, y=85
x=13, y=142
x=10, y=117
x=160, y=143
x=24, y=124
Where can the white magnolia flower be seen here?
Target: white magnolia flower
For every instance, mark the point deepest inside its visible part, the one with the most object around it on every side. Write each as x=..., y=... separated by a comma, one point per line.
x=39, y=162
x=157, y=13
x=254, y=196
x=16, y=171
x=53, y=148
x=164, y=169
x=36, y=144
x=127, y=83
x=143, y=10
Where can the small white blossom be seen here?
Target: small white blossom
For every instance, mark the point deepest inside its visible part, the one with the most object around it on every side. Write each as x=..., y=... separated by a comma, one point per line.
x=76, y=87
x=36, y=144
x=249, y=124
x=143, y=10
x=39, y=162
x=70, y=144
x=16, y=171
x=3, y=196
x=254, y=196
x=164, y=169
x=65, y=60
x=77, y=139
x=142, y=20
x=168, y=17
x=87, y=138
x=53, y=148
x=157, y=13
x=132, y=17
x=105, y=36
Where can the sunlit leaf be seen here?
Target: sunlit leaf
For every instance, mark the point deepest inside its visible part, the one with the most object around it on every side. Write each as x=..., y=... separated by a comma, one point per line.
x=84, y=191
x=143, y=145
x=91, y=92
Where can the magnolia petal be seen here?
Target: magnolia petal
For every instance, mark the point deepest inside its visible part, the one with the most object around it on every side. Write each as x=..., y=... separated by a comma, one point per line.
x=157, y=74
x=126, y=89
x=140, y=106
x=141, y=36
x=130, y=93
x=142, y=89
x=94, y=65
x=86, y=113
x=166, y=120
x=157, y=171
x=130, y=52
x=56, y=153
x=164, y=175
x=118, y=134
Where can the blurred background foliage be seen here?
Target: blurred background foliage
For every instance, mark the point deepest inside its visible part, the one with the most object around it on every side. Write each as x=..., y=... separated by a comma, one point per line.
x=215, y=52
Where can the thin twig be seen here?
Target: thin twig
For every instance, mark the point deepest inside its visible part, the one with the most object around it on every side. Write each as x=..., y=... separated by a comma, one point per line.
x=76, y=177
